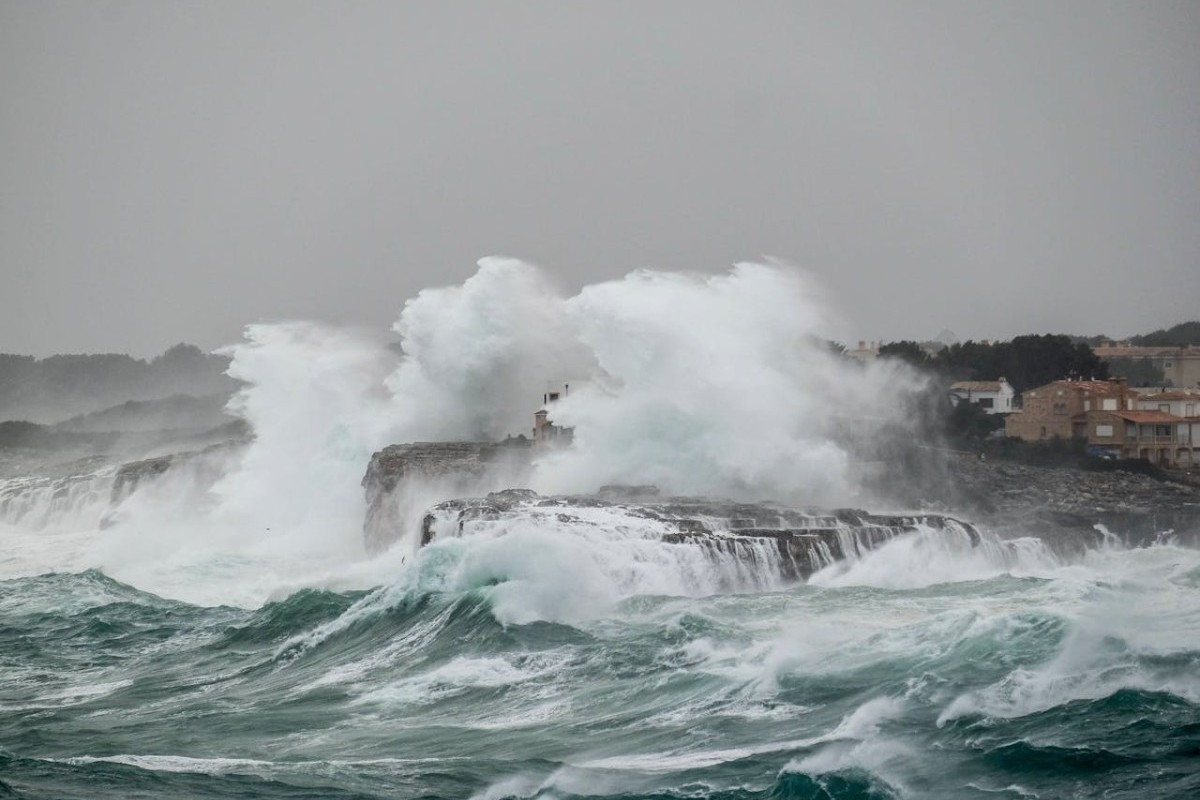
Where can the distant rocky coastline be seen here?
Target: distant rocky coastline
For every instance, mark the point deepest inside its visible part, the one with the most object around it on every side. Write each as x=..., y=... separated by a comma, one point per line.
x=1040, y=500
x=1006, y=497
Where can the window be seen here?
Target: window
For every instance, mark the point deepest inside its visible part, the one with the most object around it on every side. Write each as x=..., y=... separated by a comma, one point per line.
x=1130, y=430
x=1109, y=404
x=1164, y=407
x=1162, y=430
x=1087, y=405
x=1060, y=408
x=1043, y=431
x=1190, y=410
x=985, y=402
x=1104, y=431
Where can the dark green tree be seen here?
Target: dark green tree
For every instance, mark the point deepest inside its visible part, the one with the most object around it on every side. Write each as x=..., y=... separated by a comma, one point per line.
x=1138, y=371
x=1181, y=335
x=1025, y=362
x=908, y=351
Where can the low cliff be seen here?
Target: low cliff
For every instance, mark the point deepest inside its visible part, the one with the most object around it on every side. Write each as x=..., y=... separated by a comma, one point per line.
x=403, y=479
x=793, y=542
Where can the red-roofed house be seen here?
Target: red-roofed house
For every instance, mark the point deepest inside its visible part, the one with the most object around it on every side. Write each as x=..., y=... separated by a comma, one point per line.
x=1150, y=435
x=1046, y=411
x=1109, y=417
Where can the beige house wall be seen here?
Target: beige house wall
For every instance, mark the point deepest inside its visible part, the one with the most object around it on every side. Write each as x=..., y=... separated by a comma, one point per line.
x=1046, y=411
x=1177, y=447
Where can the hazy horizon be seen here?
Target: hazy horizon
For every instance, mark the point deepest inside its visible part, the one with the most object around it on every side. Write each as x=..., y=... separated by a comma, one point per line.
x=175, y=172
x=394, y=340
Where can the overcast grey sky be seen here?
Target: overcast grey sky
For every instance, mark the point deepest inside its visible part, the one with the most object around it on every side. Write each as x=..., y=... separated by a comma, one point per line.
x=172, y=171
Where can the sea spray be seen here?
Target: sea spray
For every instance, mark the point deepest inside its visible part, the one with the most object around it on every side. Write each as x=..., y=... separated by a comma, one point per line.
x=717, y=385
x=477, y=356
x=694, y=383
x=540, y=656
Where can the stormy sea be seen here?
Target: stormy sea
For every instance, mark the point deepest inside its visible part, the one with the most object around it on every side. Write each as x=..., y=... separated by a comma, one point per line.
x=218, y=623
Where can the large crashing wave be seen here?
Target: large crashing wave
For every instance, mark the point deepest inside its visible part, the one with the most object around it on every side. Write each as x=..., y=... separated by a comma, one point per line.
x=699, y=384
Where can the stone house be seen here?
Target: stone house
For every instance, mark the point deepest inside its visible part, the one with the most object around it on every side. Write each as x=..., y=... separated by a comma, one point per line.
x=1048, y=411
x=1113, y=419
x=994, y=397
x=1155, y=436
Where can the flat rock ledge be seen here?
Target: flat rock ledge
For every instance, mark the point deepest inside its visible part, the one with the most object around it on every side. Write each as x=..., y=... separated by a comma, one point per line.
x=805, y=540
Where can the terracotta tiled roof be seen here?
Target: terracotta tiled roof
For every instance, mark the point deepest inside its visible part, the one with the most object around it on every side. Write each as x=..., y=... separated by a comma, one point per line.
x=1095, y=387
x=1146, y=416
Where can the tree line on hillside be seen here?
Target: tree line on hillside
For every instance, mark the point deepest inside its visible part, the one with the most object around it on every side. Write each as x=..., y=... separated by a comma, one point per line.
x=51, y=389
x=1181, y=335
x=1025, y=361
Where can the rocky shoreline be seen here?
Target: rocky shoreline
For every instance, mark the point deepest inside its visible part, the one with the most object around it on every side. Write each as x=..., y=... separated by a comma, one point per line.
x=1039, y=500
x=1061, y=504
x=791, y=542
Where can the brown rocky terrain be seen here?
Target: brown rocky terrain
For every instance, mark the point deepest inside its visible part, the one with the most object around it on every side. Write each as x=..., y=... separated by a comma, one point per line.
x=1040, y=500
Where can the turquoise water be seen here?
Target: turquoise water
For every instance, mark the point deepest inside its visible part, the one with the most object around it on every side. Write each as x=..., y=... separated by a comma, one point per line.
x=918, y=672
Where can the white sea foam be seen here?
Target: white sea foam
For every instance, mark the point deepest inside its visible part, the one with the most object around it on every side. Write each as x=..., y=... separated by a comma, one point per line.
x=1126, y=610
x=570, y=563
x=696, y=383
x=932, y=556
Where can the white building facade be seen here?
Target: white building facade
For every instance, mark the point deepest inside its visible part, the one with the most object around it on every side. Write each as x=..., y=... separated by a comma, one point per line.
x=994, y=397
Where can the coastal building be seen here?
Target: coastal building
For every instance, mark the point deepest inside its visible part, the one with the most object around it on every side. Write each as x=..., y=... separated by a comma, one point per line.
x=866, y=351
x=545, y=432
x=1180, y=402
x=1180, y=365
x=994, y=397
x=1048, y=411
x=1155, y=436
x=1113, y=420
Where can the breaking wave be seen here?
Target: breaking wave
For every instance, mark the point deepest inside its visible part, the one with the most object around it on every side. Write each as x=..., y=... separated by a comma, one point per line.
x=218, y=628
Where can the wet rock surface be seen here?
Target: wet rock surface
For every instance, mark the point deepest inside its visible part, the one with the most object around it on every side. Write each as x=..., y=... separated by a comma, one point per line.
x=441, y=468
x=135, y=473
x=805, y=540
x=1040, y=500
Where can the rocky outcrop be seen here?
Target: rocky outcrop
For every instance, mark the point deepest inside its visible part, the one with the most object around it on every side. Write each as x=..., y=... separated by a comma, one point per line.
x=798, y=541
x=401, y=477
x=135, y=473
x=1047, y=500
